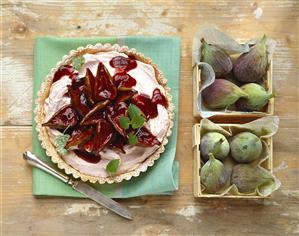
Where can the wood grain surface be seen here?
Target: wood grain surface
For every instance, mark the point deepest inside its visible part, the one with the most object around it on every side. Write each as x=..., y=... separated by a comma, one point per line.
x=180, y=214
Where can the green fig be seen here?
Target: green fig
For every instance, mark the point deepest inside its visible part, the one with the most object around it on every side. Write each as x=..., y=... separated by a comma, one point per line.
x=248, y=178
x=252, y=66
x=256, y=100
x=221, y=94
x=217, y=58
x=215, y=143
x=246, y=147
x=213, y=175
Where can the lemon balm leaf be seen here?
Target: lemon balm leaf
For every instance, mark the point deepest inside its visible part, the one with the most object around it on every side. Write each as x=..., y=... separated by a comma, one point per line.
x=77, y=62
x=112, y=166
x=60, y=142
x=124, y=122
x=137, y=122
x=132, y=139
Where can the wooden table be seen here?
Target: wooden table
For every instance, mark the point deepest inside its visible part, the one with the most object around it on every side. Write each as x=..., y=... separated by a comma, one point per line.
x=180, y=214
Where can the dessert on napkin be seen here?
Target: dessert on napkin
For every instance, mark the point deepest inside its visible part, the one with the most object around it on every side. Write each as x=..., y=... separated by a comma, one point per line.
x=104, y=113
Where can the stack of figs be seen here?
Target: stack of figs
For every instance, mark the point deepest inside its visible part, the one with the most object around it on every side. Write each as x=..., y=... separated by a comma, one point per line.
x=244, y=150
x=239, y=83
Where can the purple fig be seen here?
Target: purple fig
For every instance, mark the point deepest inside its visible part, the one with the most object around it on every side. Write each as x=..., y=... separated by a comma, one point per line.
x=221, y=94
x=217, y=58
x=252, y=66
x=256, y=100
x=215, y=143
x=246, y=147
x=248, y=178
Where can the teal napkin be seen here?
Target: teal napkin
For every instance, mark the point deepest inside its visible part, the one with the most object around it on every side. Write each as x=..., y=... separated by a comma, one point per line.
x=162, y=178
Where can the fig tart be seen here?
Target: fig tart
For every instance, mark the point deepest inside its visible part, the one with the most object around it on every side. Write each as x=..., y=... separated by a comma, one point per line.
x=104, y=113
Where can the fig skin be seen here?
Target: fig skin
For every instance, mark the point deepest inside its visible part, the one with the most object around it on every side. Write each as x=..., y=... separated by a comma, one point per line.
x=215, y=56
x=252, y=66
x=248, y=178
x=256, y=100
x=213, y=175
x=221, y=94
x=245, y=147
x=215, y=143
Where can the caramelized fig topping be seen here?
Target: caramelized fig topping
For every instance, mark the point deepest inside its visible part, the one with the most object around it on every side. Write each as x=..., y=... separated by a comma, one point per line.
x=123, y=81
x=78, y=136
x=93, y=113
x=64, y=70
x=88, y=157
x=78, y=99
x=125, y=95
x=159, y=98
x=123, y=64
x=146, y=138
x=103, y=135
x=98, y=103
x=104, y=88
x=114, y=113
x=89, y=84
x=63, y=118
x=118, y=142
x=144, y=103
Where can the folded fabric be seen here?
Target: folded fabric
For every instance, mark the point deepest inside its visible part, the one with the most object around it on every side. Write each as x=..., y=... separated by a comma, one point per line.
x=162, y=178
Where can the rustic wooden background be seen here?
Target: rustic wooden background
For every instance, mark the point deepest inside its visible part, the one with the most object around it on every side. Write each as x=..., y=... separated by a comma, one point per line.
x=180, y=214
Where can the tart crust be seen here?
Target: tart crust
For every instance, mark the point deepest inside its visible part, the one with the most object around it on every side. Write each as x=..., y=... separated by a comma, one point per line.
x=43, y=131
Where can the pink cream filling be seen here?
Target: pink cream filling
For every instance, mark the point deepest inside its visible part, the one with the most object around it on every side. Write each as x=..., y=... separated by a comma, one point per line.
x=135, y=155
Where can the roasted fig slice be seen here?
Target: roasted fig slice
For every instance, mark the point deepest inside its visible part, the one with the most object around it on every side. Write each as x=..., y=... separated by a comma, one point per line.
x=78, y=136
x=79, y=100
x=145, y=104
x=89, y=84
x=88, y=157
x=114, y=113
x=104, y=88
x=146, y=138
x=63, y=118
x=118, y=142
x=122, y=64
x=123, y=81
x=125, y=95
x=103, y=135
x=91, y=116
x=159, y=98
x=64, y=70
x=87, y=146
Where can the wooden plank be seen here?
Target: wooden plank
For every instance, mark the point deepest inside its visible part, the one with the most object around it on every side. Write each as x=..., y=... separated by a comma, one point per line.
x=179, y=214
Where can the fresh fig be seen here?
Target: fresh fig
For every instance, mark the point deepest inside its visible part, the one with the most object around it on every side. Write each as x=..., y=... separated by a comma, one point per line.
x=221, y=94
x=217, y=58
x=215, y=143
x=246, y=147
x=252, y=66
x=248, y=178
x=256, y=100
x=213, y=175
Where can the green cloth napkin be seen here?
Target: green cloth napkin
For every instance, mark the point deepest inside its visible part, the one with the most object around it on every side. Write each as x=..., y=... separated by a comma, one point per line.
x=162, y=178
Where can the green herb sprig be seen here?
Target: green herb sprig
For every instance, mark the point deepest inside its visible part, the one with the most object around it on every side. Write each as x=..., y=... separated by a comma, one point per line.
x=112, y=166
x=135, y=119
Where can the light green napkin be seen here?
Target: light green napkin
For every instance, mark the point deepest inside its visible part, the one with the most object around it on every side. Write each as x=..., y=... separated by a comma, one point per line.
x=162, y=178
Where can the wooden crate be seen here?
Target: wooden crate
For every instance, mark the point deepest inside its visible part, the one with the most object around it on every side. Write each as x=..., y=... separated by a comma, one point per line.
x=267, y=164
x=233, y=116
